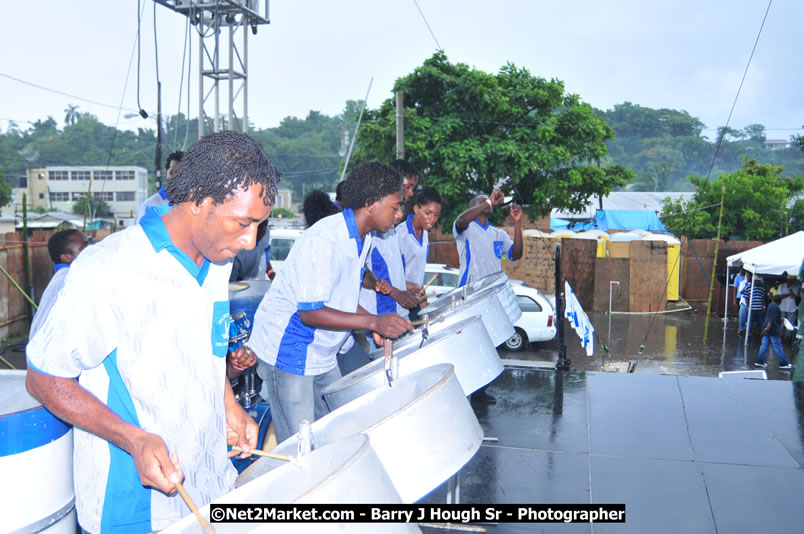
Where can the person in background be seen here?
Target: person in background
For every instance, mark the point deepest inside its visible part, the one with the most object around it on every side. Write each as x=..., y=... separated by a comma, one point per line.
x=414, y=242
x=790, y=291
x=246, y=265
x=771, y=334
x=160, y=198
x=338, y=196
x=133, y=352
x=742, y=315
x=63, y=247
x=482, y=247
x=754, y=293
x=317, y=205
x=303, y=321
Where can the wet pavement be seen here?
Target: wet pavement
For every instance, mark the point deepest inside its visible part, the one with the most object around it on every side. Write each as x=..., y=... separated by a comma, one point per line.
x=673, y=345
x=685, y=454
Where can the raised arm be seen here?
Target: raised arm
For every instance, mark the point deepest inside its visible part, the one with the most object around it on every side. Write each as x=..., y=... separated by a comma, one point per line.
x=516, y=215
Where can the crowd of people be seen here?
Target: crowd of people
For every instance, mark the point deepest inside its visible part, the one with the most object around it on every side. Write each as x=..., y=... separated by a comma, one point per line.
x=132, y=345
x=768, y=308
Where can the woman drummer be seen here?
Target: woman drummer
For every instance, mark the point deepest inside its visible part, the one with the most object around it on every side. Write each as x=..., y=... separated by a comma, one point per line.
x=413, y=240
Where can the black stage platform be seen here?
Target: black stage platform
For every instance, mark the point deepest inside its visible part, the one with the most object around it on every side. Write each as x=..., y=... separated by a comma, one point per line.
x=685, y=454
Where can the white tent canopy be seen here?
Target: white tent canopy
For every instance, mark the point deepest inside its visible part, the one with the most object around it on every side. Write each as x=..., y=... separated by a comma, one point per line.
x=773, y=258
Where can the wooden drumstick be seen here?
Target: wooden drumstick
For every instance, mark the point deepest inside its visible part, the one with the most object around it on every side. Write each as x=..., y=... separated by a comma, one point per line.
x=206, y=528
x=274, y=455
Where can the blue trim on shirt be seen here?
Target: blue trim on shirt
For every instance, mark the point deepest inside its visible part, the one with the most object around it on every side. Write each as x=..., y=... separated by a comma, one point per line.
x=127, y=503
x=412, y=231
x=488, y=224
x=468, y=262
x=385, y=304
x=351, y=225
x=310, y=306
x=291, y=356
x=157, y=234
x=59, y=266
x=29, y=429
x=163, y=193
x=511, y=254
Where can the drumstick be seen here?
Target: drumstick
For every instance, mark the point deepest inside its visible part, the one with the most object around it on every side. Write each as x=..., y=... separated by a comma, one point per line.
x=428, y=284
x=206, y=528
x=428, y=321
x=274, y=455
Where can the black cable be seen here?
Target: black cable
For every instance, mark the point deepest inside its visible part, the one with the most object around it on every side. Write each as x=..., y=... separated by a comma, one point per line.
x=181, y=85
x=141, y=111
x=63, y=93
x=745, y=72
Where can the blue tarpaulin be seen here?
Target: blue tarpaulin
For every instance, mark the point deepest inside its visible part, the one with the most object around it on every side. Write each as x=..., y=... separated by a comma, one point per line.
x=606, y=220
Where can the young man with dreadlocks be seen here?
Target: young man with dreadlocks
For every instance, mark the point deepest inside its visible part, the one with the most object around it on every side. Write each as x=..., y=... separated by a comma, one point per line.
x=312, y=305
x=142, y=324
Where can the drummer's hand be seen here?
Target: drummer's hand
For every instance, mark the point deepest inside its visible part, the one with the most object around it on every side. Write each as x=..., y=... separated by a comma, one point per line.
x=414, y=288
x=382, y=286
x=243, y=358
x=405, y=298
x=155, y=467
x=241, y=430
x=516, y=212
x=391, y=325
x=497, y=197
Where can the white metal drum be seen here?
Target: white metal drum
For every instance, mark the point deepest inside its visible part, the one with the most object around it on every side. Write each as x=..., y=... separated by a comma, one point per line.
x=487, y=305
x=500, y=280
x=344, y=472
x=36, y=463
x=422, y=429
x=466, y=345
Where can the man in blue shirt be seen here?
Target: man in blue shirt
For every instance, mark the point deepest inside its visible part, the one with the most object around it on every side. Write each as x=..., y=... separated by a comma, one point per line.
x=133, y=352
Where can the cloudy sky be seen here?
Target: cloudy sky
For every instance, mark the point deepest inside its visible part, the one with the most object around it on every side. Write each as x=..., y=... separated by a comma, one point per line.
x=316, y=54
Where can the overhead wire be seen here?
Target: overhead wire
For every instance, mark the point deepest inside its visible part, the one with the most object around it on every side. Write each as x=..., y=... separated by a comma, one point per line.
x=62, y=93
x=737, y=96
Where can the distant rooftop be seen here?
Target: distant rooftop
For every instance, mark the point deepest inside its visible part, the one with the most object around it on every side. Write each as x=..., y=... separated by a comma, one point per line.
x=624, y=200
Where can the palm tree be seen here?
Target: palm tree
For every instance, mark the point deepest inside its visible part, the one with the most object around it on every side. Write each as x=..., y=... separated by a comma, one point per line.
x=71, y=115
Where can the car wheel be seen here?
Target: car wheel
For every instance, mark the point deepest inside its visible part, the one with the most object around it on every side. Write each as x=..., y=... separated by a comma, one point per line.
x=517, y=342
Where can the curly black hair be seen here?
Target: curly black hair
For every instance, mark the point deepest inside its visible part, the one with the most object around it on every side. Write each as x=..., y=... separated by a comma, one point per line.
x=317, y=205
x=59, y=243
x=175, y=156
x=219, y=164
x=426, y=195
x=405, y=168
x=370, y=182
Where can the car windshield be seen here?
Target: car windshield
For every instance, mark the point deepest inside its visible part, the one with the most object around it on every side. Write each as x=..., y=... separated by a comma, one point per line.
x=280, y=248
x=527, y=304
x=442, y=279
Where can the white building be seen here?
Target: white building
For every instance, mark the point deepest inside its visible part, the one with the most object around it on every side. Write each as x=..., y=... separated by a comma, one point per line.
x=122, y=188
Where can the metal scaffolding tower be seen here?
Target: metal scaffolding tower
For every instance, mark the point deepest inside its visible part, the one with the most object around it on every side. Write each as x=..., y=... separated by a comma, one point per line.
x=217, y=20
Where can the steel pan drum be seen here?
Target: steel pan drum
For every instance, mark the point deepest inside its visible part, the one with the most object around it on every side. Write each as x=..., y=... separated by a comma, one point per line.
x=248, y=299
x=484, y=303
x=499, y=280
x=466, y=346
x=422, y=429
x=344, y=472
x=36, y=463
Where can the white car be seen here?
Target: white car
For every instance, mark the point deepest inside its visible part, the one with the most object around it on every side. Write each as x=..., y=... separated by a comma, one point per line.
x=444, y=278
x=538, y=317
x=282, y=239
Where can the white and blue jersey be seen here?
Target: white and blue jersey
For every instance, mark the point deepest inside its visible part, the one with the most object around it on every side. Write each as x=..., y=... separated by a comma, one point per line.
x=159, y=198
x=414, y=251
x=145, y=330
x=324, y=268
x=49, y=297
x=385, y=261
x=481, y=249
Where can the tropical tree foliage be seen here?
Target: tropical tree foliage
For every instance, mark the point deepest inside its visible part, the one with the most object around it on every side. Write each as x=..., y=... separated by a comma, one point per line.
x=468, y=131
x=756, y=205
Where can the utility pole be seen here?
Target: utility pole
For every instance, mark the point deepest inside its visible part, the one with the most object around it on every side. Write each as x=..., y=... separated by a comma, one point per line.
x=158, y=156
x=400, y=125
x=714, y=267
x=211, y=18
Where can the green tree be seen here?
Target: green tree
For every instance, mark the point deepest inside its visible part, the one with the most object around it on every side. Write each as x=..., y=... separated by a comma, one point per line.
x=755, y=204
x=5, y=191
x=468, y=131
x=71, y=114
x=97, y=208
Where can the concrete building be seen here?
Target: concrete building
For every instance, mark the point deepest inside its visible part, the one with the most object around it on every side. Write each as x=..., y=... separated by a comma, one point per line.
x=122, y=188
